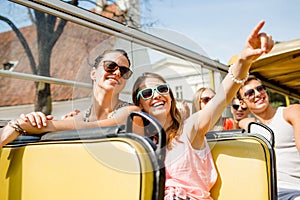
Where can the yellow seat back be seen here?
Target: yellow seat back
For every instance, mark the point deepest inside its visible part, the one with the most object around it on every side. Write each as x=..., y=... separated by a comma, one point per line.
x=245, y=165
x=107, y=168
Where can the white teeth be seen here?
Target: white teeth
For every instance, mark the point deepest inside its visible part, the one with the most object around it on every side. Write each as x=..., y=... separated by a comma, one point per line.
x=158, y=104
x=112, y=79
x=260, y=100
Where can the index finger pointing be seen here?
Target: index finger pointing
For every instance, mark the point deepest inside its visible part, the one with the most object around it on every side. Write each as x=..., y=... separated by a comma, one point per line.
x=258, y=28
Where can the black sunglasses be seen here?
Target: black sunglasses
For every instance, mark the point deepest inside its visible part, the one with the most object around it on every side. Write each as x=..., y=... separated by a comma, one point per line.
x=205, y=100
x=111, y=66
x=250, y=94
x=236, y=107
x=148, y=93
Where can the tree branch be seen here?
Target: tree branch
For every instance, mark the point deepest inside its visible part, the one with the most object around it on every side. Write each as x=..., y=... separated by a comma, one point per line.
x=23, y=42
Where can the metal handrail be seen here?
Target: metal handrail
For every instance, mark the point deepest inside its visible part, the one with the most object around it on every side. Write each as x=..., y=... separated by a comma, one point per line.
x=95, y=21
x=44, y=79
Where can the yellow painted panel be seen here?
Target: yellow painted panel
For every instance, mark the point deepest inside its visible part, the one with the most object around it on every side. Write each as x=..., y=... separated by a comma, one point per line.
x=243, y=171
x=93, y=170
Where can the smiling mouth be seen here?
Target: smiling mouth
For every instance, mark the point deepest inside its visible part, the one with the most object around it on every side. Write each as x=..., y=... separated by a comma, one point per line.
x=260, y=99
x=157, y=104
x=112, y=79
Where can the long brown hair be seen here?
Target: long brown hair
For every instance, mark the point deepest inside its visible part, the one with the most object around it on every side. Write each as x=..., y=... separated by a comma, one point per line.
x=176, y=125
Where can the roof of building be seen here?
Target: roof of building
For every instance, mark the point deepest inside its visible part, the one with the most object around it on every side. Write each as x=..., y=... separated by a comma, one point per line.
x=71, y=57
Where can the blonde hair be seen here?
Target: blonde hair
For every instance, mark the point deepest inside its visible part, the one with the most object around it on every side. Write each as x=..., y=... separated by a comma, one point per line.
x=197, y=97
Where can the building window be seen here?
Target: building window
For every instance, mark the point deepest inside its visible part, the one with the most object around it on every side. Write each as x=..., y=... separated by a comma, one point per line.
x=178, y=91
x=7, y=66
x=10, y=65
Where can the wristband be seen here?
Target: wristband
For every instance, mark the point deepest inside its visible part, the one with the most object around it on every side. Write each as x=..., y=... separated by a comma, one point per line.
x=15, y=125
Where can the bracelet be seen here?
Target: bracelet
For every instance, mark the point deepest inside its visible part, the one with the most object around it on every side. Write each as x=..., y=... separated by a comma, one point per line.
x=234, y=79
x=15, y=125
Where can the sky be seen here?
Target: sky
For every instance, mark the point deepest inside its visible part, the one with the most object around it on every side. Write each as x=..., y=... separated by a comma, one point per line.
x=221, y=27
x=215, y=28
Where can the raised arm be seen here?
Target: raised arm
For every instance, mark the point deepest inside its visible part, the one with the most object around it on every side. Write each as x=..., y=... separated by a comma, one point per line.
x=256, y=44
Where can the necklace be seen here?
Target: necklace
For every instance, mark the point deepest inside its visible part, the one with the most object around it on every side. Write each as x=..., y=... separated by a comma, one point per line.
x=119, y=105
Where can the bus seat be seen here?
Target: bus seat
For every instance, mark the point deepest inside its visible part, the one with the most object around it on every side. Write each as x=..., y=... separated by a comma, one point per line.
x=110, y=168
x=98, y=163
x=246, y=167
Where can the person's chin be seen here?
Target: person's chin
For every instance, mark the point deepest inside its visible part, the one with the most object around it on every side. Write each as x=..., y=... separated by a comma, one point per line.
x=111, y=85
x=160, y=110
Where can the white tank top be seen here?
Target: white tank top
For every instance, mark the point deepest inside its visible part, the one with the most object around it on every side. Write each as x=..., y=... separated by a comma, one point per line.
x=287, y=155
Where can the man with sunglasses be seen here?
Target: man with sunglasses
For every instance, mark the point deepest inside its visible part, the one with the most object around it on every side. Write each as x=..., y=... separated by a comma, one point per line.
x=285, y=123
x=239, y=111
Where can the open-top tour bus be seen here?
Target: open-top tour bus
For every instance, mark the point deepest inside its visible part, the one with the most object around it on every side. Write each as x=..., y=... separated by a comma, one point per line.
x=102, y=163
x=115, y=162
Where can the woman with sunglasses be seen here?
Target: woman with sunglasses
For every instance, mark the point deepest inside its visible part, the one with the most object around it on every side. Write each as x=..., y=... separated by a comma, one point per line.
x=109, y=75
x=204, y=95
x=201, y=98
x=190, y=171
x=284, y=121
